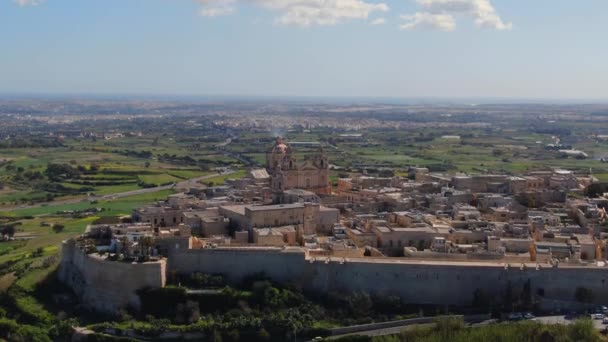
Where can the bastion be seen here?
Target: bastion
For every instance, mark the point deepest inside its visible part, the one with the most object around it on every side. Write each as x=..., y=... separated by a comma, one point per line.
x=107, y=286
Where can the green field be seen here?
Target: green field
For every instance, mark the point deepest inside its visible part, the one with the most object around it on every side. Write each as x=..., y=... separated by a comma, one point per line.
x=159, y=179
x=112, y=207
x=124, y=164
x=219, y=180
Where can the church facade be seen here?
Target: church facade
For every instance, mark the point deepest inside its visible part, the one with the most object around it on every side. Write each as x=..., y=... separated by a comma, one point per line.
x=287, y=172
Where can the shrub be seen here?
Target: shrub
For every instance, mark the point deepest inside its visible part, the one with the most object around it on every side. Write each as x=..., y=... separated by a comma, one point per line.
x=57, y=228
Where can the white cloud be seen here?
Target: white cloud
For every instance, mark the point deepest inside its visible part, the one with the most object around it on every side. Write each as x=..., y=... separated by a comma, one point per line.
x=438, y=11
x=215, y=8
x=290, y=12
x=378, y=21
x=300, y=12
x=425, y=20
x=24, y=3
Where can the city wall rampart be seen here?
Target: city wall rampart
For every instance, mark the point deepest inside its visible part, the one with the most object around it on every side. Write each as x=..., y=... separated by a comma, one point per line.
x=420, y=282
x=107, y=285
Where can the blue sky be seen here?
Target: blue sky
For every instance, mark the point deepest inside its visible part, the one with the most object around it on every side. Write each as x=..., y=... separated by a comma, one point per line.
x=554, y=49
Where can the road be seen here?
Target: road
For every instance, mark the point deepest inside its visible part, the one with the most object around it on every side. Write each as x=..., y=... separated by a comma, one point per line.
x=395, y=330
x=380, y=332
x=183, y=184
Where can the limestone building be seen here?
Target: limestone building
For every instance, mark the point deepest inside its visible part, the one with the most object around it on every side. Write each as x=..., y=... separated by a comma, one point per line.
x=312, y=217
x=288, y=172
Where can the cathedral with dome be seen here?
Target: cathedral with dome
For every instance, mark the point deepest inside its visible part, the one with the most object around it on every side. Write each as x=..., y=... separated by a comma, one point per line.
x=287, y=172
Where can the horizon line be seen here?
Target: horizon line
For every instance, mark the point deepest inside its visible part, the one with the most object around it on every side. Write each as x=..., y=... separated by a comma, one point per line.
x=427, y=99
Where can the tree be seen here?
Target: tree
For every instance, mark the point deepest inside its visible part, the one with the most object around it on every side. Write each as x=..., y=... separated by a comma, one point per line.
x=596, y=189
x=263, y=335
x=233, y=335
x=217, y=336
x=145, y=243
x=89, y=246
x=386, y=173
x=124, y=245
x=63, y=327
x=188, y=312
x=38, y=252
x=58, y=172
x=57, y=227
x=421, y=245
x=193, y=313
x=8, y=230
x=360, y=304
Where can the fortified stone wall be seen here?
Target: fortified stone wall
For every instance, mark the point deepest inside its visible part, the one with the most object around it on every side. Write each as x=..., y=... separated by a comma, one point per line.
x=237, y=263
x=421, y=282
x=107, y=285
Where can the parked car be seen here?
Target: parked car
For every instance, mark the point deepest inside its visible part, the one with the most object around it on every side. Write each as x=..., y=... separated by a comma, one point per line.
x=598, y=316
x=529, y=315
x=515, y=316
x=605, y=320
x=604, y=309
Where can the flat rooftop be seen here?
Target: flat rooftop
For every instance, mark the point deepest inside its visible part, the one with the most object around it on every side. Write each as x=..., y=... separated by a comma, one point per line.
x=274, y=206
x=239, y=209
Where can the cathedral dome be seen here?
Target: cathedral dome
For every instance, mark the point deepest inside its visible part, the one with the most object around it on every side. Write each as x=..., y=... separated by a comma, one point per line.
x=280, y=146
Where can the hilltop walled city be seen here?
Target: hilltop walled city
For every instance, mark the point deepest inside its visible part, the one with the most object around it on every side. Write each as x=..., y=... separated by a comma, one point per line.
x=303, y=170
x=407, y=235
